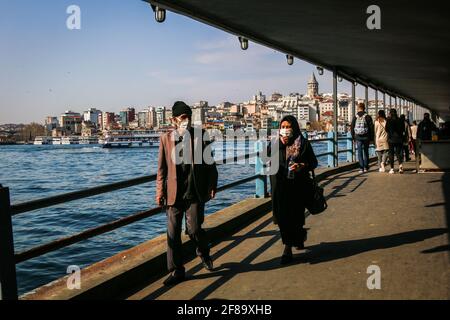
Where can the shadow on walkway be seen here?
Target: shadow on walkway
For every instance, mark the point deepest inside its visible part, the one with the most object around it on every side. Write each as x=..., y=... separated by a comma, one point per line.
x=330, y=251
x=446, y=190
x=323, y=252
x=319, y=253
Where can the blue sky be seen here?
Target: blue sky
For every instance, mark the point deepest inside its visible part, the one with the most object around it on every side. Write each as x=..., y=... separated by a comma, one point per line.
x=122, y=57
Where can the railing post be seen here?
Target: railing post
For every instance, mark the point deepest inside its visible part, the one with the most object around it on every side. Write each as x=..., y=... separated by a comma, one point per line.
x=335, y=120
x=330, y=149
x=8, y=279
x=376, y=102
x=417, y=155
x=349, y=147
x=261, y=181
x=372, y=152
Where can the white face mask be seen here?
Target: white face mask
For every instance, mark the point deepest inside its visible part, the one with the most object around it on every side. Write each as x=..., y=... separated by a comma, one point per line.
x=286, y=132
x=184, y=125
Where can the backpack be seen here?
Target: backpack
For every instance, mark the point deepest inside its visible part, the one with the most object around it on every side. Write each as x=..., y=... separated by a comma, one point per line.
x=361, y=127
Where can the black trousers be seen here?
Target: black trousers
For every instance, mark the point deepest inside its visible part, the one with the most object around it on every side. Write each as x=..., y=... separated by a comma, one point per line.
x=406, y=153
x=195, y=213
x=397, y=149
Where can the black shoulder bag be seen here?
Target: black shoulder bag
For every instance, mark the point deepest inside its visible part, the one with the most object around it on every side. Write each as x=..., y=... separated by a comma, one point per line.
x=318, y=203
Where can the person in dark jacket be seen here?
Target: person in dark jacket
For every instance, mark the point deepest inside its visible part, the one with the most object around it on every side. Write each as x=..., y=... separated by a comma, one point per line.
x=407, y=140
x=426, y=128
x=184, y=184
x=396, y=130
x=292, y=185
x=362, y=130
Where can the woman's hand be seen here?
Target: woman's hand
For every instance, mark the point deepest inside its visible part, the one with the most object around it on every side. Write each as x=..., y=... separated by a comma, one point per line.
x=296, y=167
x=284, y=140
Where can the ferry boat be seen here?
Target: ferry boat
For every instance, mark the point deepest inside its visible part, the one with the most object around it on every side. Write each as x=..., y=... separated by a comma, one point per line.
x=42, y=140
x=130, y=139
x=69, y=140
x=89, y=140
x=56, y=140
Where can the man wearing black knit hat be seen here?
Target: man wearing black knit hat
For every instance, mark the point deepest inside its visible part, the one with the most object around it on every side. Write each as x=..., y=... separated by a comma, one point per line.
x=184, y=186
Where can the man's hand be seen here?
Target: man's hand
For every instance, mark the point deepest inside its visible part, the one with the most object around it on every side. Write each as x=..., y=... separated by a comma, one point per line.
x=213, y=194
x=160, y=200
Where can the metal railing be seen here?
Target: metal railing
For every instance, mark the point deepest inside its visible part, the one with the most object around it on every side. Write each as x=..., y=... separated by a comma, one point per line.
x=9, y=259
x=333, y=150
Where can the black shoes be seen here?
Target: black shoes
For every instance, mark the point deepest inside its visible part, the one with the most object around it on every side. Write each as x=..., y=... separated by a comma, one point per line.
x=178, y=276
x=174, y=278
x=286, y=258
x=207, y=263
x=305, y=237
x=287, y=255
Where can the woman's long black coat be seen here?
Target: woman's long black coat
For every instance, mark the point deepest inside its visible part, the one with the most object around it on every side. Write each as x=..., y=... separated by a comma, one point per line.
x=289, y=196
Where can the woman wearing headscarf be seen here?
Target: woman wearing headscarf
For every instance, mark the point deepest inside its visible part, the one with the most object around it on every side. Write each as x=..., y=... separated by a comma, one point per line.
x=292, y=185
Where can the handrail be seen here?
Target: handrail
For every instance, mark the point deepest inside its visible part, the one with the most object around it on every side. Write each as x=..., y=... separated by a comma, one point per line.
x=344, y=150
x=11, y=259
x=67, y=241
x=89, y=192
x=320, y=140
x=76, y=195
x=324, y=154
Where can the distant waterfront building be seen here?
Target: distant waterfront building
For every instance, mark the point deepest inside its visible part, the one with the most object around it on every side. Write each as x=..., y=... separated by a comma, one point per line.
x=259, y=98
x=71, y=122
x=224, y=107
x=199, y=111
x=92, y=115
x=266, y=123
x=305, y=114
x=88, y=129
x=58, y=132
x=108, y=120
x=291, y=104
x=235, y=108
x=251, y=109
x=133, y=124
x=123, y=118
x=313, y=87
x=143, y=118
x=152, y=117
x=100, y=121
x=326, y=106
x=127, y=116
x=276, y=96
x=147, y=118
x=116, y=122
x=51, y=123
x=160, y=117
x=131, y=114
x=167, y=116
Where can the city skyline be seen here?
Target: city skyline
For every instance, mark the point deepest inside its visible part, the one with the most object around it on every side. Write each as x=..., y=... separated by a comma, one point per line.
x=116, y=61
x=117, y=112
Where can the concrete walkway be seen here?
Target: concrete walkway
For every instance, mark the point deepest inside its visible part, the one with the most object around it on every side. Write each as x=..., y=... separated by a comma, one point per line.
x=396, y=222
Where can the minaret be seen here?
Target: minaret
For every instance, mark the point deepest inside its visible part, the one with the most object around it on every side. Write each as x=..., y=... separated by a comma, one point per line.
x=313, y=86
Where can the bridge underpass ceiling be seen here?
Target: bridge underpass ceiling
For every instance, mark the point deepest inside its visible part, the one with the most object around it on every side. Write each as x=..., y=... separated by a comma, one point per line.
x=409, y=56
